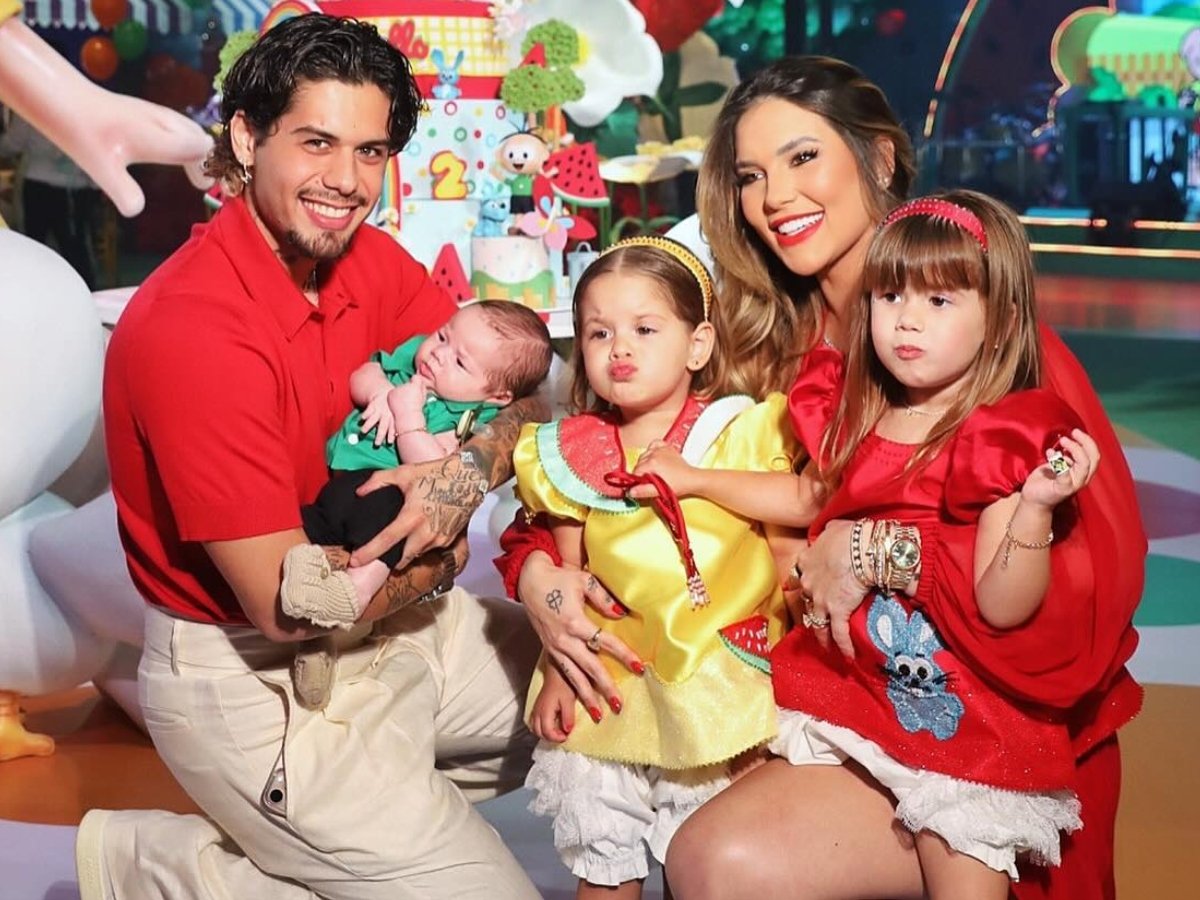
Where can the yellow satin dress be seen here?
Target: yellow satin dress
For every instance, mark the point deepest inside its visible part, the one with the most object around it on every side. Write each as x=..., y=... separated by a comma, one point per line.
x=700, y=702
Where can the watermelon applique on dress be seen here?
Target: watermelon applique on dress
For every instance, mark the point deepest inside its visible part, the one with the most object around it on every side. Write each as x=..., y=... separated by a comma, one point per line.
x=747, y=640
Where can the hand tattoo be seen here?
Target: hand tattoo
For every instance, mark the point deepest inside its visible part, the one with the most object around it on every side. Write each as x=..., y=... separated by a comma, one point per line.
x=592, y=583
x=554, y=600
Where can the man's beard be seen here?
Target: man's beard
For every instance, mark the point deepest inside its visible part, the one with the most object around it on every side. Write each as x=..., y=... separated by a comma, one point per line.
x=324, y=245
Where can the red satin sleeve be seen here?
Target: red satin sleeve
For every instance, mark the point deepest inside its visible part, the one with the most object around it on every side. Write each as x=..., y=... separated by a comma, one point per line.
x=814, y=396
x=519, y=540
x=998, y=448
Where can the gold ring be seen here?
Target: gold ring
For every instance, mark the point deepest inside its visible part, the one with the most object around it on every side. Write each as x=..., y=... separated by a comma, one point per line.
x=811, y=621
x=593, y=643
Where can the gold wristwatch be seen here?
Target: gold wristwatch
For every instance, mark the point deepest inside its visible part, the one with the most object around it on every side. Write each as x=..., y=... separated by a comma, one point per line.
x=903, y=556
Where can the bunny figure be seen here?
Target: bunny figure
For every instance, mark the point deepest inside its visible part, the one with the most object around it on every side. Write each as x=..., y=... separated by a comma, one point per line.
x=916, y=684
x=493, y=210
x=447, y=87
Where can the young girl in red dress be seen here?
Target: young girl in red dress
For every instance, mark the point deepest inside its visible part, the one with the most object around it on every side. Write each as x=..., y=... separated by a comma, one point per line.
x=936, y=438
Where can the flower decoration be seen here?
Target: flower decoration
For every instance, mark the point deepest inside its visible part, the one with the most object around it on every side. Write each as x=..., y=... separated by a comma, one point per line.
x=548, y=222
x=618, y=58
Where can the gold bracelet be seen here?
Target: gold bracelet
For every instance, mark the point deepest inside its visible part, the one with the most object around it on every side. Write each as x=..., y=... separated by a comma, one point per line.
x=400, y=434
x=1011, y=540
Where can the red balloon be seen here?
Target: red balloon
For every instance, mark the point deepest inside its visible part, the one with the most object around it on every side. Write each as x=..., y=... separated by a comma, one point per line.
x=99, y=58
x=109, y=12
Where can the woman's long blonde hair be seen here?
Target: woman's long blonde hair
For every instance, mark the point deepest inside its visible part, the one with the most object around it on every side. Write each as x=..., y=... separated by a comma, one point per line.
x=926, y=253
x=767, y=316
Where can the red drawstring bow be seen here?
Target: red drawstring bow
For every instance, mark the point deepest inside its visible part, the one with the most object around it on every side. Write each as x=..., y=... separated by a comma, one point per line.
x=667, y=505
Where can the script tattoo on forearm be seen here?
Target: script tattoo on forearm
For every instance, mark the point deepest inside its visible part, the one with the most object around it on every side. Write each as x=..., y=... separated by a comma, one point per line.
x=449, y=494
x=492, y=446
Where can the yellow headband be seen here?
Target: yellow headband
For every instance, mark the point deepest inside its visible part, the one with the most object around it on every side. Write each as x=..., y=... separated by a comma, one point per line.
x=679, y=252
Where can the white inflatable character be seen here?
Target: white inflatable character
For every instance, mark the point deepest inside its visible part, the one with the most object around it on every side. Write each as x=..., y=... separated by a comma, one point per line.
x=51, y=357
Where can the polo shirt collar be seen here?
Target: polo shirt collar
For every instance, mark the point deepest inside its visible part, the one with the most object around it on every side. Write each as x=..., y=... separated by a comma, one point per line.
x=265, y=279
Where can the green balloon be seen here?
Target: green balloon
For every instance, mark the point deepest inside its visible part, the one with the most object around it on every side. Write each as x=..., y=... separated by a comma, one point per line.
x=129, y=37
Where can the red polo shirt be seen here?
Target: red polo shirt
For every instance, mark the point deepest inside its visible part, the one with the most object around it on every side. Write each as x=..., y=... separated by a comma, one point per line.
x=221, y=385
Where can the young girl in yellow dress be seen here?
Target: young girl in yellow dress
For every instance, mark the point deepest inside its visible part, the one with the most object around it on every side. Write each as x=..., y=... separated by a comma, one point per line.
x=690, y=563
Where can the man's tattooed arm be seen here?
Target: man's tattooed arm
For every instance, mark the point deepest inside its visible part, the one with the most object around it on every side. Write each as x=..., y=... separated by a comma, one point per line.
x=491, y=448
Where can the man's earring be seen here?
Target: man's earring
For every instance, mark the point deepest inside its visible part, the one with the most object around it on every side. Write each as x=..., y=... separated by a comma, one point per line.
x=247, y=176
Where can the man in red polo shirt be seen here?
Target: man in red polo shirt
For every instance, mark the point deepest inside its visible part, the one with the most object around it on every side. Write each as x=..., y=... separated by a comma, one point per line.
x=227, y=372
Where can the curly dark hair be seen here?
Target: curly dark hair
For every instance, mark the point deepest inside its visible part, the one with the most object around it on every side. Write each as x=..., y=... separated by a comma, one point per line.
x=313, y=47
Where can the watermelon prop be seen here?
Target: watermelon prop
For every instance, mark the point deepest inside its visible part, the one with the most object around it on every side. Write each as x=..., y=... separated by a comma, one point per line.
x=747, y=640
x=447, y=273
x=576, y=175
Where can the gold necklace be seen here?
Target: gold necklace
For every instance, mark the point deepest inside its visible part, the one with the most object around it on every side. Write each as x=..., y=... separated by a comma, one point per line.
x=913, y=411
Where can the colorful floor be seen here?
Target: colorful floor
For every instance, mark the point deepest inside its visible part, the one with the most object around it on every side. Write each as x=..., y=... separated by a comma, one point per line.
x=1139, y=342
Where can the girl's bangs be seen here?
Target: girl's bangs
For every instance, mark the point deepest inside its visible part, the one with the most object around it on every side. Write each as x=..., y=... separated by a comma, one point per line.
x=924, y=254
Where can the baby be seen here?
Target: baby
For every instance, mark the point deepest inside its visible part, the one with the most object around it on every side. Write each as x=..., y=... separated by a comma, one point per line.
x=414, y=404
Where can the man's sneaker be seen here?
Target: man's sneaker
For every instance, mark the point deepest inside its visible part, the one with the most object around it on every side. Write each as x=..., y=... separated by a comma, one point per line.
x=89, y=856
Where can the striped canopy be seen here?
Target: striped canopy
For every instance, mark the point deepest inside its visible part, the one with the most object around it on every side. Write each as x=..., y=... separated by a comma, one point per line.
x=160, y=16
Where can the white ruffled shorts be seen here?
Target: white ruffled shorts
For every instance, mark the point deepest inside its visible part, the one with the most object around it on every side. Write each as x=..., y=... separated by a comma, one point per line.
x=990, y=824
x=611, y=818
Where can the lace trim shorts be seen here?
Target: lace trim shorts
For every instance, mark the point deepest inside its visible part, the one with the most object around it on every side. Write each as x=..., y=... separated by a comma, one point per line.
x=611, y=818
x=991, y=824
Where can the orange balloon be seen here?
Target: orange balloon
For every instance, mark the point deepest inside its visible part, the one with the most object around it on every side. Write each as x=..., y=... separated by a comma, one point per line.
x=99, y=58
x=109, y=12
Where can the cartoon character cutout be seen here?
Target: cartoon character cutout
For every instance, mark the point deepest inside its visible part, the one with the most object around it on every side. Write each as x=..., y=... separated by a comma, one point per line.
x=447, y=87
x=523, y=156
x=916, y=683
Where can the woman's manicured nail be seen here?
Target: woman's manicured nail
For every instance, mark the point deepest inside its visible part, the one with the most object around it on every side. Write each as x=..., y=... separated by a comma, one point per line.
x=619, y=609
x=637, y=667
x=614, y=703
x=594, y=712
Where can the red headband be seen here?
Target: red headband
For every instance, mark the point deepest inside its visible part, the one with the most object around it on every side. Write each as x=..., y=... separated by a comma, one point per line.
x=941, y=209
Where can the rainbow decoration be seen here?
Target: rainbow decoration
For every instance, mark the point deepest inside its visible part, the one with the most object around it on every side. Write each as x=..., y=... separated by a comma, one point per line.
x=287, y=9
x=393, y=192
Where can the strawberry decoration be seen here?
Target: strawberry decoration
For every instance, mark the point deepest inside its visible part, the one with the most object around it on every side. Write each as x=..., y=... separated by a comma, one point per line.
x=671, y=22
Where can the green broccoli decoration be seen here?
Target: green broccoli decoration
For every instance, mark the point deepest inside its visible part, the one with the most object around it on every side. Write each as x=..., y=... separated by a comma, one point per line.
x=533, y=88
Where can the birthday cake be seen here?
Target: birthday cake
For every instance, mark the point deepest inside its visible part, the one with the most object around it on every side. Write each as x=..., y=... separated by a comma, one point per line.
x=513, y=267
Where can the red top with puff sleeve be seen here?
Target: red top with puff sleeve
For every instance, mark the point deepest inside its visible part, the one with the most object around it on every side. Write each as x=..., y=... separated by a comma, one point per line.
x=908, y=689
x=221, y=385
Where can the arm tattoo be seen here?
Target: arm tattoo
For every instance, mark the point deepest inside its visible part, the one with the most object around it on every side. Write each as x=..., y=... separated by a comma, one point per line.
x=554, y=600
x=492, y=446
x=449, y=494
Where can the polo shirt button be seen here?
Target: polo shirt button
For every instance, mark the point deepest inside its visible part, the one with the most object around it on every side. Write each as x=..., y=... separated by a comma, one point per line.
x=324, y=572
x=352, y=439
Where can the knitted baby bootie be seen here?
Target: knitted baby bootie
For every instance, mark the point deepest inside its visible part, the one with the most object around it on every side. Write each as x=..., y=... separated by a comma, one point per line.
x=313, y=671
x=312, y=589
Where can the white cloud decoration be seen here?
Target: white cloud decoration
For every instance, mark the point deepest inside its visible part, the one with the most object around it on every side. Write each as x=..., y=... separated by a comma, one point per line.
x=618, y=58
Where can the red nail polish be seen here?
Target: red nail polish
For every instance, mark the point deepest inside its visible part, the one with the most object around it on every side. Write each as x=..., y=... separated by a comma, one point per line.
x=614, y=703
x=594, y=712
x=619, y=609
x=637, y=667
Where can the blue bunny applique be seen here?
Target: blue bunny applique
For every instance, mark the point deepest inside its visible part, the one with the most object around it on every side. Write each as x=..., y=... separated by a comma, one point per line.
x=916, y=684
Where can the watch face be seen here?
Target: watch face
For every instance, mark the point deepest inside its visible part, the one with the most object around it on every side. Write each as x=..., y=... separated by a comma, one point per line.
x=905, y=554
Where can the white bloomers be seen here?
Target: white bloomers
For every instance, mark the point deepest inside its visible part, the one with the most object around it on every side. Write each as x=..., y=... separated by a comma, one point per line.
x=991, y=824
x=610, y=818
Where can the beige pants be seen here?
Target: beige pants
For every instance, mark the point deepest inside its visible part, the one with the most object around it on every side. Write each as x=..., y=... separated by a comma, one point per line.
x=378, y=786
